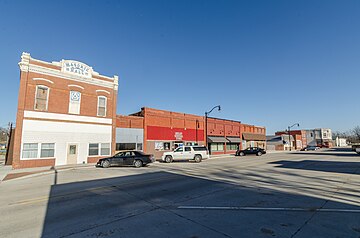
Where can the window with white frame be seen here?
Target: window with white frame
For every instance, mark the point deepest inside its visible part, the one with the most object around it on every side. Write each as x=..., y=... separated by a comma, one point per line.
x=74, y=102
x=105, y=149
x=47, y=150
x=30, y=150
x=101, y=106
x=96, y=149
x=93, y=149
x=41, y=98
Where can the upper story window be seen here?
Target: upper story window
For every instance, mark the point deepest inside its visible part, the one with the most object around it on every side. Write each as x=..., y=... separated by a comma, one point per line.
x=101, y=106
x=41, y=98
x=74, y=102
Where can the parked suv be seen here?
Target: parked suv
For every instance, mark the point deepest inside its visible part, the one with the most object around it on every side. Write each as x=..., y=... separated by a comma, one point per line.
x=196, y=153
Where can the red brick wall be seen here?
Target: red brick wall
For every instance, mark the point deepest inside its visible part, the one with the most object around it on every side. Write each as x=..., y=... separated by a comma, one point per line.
x=34, y=163
x=172, y=121
x=129, y=122
x=58, y=102
x=299, y=134
x=59, y=95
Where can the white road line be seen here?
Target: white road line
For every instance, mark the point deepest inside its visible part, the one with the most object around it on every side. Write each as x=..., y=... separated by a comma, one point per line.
x=271, y=209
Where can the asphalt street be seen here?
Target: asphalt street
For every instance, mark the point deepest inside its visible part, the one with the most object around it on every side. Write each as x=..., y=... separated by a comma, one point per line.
x=301, y=194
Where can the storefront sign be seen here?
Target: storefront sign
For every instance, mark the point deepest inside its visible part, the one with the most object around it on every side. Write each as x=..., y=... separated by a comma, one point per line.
x=159, y=145
x=178, y=135
x=75, y=67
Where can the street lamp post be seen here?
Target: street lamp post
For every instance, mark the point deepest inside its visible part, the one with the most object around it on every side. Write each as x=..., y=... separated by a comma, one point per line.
x=206, y=117
x=289, y=127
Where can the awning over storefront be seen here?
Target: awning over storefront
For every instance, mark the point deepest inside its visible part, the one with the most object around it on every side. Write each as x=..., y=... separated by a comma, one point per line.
x=217, y=139
x=252, y=136
x=234, y=139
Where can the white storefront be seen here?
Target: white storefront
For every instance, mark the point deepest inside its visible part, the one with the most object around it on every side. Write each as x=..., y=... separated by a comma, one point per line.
x=71, y=134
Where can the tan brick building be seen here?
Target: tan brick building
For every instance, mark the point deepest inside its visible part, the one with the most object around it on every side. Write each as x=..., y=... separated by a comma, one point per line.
x=66, y=114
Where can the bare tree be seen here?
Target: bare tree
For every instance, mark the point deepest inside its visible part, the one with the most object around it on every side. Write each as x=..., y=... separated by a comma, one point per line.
x=356, y=132
x=3, y=135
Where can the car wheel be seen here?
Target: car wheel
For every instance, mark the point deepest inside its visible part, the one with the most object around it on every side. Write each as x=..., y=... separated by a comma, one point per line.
x=106, y=164
x=241, y=154
x=138, y=163
x=259, y=153
x=168, y=159
x=197, y=158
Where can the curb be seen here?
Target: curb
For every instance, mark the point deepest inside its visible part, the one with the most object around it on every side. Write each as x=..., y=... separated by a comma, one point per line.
x=50, y=171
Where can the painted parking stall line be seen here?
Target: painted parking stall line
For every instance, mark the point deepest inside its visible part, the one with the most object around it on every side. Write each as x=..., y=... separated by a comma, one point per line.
x=271, y=209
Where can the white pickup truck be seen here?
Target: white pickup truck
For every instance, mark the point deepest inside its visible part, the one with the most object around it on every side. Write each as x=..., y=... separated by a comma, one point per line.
x=196, y=153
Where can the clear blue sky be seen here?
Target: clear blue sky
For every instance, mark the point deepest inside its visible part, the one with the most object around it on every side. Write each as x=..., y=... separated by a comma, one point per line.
x=270, y=63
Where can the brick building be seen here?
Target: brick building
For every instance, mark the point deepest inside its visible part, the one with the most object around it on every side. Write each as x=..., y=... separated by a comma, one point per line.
x=164, y=130
x=311, y=137
x=66, y=114
x=299, y=137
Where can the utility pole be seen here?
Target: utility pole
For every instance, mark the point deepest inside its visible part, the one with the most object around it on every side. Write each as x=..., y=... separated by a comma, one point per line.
x=206, y=119
x=8, y=141
x=289, y=127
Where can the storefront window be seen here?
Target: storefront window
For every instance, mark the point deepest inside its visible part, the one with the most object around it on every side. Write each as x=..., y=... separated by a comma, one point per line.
x=139, y=146
x=125, y=146
x=167, y=146
x=217, y=146
x=213, y=147
x=231, y=146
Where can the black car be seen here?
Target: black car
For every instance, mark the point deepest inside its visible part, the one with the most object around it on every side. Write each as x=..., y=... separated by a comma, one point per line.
x=251, y=151
x=307, y=148
x=127, y=158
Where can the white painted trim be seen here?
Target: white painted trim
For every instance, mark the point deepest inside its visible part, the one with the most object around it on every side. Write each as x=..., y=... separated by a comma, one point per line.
x=105, y=106
x=38, y=154
x=22, y=149
x=56, y=63
x=99, y=150
x=42, y=79
x=63, y=68
x=65, y=117
x=59, y=74
x=47, y=97
x=70, y=103
x=74, y=85
x=104, y=91
x=26, y=66
x=25, y=61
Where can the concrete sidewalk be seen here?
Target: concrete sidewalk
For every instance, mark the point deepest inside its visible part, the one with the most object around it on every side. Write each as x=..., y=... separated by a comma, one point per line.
x=7, y=173
x=4, y=169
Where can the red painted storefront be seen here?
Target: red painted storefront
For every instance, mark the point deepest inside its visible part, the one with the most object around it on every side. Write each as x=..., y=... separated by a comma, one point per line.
x=164, y=130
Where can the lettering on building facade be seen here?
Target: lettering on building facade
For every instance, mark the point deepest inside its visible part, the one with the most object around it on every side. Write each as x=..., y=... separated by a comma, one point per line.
x=75, y=67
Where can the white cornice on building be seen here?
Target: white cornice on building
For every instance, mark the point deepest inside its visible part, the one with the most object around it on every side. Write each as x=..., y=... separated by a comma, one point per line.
x=116, y=82
x=77, y=75
x=66, y=117
x=25, y=61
